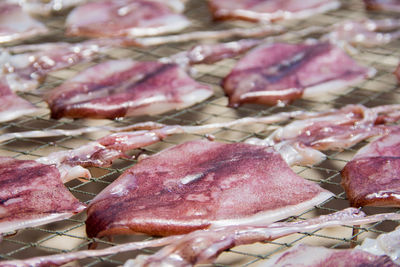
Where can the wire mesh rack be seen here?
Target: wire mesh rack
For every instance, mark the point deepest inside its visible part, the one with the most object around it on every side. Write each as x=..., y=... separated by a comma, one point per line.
x=69, y=235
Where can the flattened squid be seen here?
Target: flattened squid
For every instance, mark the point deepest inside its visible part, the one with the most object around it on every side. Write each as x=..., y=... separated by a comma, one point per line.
x=121, y=88
x=15, y=24
x=269, y=10
x=32, y=194
x=24, y=67
x=365, y=32
x=11, y=105
x=131, y=18
x=372, y=177
x=201, y=184
x=280, y=73
x=383, y=5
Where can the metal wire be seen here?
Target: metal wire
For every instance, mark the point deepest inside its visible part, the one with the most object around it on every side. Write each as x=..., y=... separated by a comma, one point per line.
x=69, y=235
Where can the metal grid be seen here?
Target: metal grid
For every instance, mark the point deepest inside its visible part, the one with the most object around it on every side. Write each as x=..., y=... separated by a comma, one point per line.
x=69, y=235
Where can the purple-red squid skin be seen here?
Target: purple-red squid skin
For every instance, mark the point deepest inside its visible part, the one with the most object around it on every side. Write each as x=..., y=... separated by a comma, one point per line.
x=289, y=86
x=194, y=185
x=16, y=24
x=372, y=177
x=268, y=10
x=372, y=181
x=132, y=18
x=30, y=190
x=133, y=89
x=11, y=105
x=382, y=5
x=281, y=73
x=57, y=99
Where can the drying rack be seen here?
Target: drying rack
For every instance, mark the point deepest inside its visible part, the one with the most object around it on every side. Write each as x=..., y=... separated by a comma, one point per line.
x=69, y=235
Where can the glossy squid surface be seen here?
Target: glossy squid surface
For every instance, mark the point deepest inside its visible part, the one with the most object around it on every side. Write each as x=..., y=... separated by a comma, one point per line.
x=25, y=67
x=15, y=24
x=280, y=73
x=372, y=177
x=132, y=18
x=32, y=194
x=11, y=105
x=383, y=5
x=269, y=10
x=200, y=184
x=121, y=88
x=365, y=32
